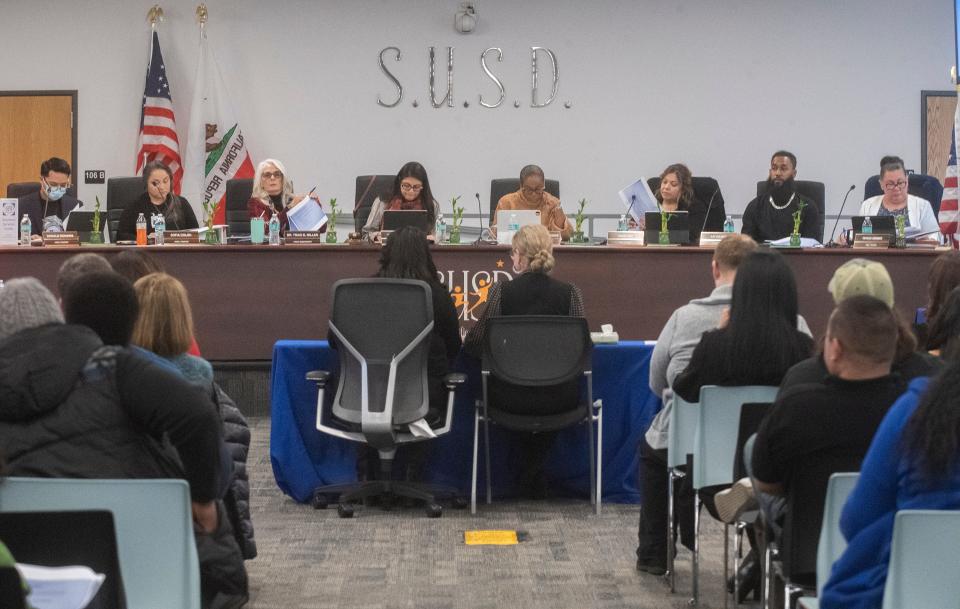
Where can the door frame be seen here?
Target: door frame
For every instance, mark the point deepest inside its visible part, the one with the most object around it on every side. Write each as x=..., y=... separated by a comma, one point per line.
x=74, y=123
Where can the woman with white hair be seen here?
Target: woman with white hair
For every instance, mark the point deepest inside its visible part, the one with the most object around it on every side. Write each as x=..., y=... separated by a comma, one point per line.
x=273, y=193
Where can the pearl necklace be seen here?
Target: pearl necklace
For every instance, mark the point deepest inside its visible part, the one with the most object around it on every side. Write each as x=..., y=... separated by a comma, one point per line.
x=785, y=205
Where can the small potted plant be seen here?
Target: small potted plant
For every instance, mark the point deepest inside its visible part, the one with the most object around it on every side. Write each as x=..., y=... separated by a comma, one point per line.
x=797, y=219
x=456, y=222
x=96, y=236
x=578, y=224
x=664, y=236
x=210, y=211
x=332, y=222
x=901, y=224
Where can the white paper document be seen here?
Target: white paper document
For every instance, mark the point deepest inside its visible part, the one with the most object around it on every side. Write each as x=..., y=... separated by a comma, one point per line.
x=60, y=587
x=9, y=222
x=306, y=215
x=639, y=199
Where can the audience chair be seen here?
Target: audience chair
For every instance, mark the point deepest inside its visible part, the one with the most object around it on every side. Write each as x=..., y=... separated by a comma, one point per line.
x=531, y=351
x=239, y=191
x=121, y=192
x=815, y=191
x=680, y=437
x=158, y=555
x=751, y=415
x=919, y=185
x=924, y=572
x=504, y=186
x=715, y=446
x=369, y=188
x=831, y=544
x=382, y=386
x=704, y=189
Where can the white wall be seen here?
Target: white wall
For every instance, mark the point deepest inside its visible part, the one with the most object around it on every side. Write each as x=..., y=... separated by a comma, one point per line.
x=718, y=85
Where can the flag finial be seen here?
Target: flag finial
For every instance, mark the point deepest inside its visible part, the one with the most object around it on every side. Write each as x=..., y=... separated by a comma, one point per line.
x=202, y=14
x=155, y=15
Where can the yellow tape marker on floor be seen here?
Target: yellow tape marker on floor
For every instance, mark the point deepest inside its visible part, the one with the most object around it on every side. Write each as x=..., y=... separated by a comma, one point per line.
x=490, y=538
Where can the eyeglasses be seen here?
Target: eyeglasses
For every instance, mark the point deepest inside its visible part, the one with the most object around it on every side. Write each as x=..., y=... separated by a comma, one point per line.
x=532, y=191
x=411, y=187
x=270, y=175
x=899, y=184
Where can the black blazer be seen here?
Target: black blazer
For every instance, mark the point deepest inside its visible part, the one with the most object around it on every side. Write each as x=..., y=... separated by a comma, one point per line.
x=127, y=228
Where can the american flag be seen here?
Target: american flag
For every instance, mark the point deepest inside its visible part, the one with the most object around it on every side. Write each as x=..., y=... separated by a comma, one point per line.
x=949, y=208
x=158, y=126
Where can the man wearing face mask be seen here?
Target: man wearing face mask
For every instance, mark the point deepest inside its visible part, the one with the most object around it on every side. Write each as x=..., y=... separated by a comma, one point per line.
x=770, y=216
x=49, y=206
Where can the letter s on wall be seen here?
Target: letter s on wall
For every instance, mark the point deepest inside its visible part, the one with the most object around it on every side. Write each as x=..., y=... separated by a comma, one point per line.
x=483, y=63
x=391, y=77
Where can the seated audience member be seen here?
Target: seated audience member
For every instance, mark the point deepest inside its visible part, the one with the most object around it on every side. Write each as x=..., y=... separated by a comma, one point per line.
x=411, y=191
x=106, y=303
x=533, y=196
x=77, y=266
x=770, y=216
x=165, y=325
x=895, y=200
x=912, y=464
x=531, y=292
x=943, y=278
x=676, y=194
x=72, y=408
x=859, y=276
x=48, y=207
x=158, y=198
x=828, y=425
x=670, y=356
x=136, y=263
x=273, y=194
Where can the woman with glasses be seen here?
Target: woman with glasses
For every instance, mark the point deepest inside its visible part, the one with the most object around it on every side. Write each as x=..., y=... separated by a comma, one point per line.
x=411, y=191
x=532, y=196
x=895, y=201
x=273, y=194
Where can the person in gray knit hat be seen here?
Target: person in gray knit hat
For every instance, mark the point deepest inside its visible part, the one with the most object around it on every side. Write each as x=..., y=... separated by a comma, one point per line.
x=26, y=303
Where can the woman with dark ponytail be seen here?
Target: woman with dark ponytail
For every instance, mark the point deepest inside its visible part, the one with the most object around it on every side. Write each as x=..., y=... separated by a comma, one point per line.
x=913, y=463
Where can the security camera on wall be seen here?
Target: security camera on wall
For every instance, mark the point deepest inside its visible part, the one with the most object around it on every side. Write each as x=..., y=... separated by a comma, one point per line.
x=466, y=18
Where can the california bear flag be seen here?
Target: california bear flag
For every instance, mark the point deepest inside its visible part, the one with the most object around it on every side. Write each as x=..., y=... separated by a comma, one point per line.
x=216, y=148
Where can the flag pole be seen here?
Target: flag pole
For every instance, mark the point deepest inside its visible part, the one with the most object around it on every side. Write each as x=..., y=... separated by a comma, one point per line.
x=202, y=16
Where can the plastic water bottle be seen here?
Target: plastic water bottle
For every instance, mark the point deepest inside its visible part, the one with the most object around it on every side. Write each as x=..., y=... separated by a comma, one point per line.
x=867, y=227
x=728, y=226
x=622, y=223
x=159, y=225
x=141, y=230
x=274, y=230
x=439, y=229
x=514, y=225
x=25, y=229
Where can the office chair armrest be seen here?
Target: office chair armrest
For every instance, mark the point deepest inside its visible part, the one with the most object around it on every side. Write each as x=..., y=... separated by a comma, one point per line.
x=320, y=377
x=454, y=380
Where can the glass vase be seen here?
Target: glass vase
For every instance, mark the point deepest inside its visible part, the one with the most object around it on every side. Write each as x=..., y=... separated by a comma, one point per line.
x=578, y=237
x=664, y=238
x=794, y=240
x=211, y=237
x=96, y=238
x=454, y=236
x=332, y=236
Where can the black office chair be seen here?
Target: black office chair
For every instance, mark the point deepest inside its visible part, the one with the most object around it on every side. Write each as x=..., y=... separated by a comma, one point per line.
x=239, y=191
x=15, y=190
x=524, y=355
x=814, y=191
x=504, y=186
x=121, y=192
x=705, y=190
x=368, y=189
x=919, y=185
x=382, y=384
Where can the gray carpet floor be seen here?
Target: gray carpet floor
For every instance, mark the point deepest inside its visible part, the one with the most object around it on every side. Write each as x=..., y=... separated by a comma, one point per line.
x=401, y=559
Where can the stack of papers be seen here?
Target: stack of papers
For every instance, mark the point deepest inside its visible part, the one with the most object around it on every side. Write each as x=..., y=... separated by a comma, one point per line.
x=60, y=587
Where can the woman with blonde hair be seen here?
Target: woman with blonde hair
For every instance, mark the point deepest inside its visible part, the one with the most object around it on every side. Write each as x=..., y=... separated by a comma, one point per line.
x=532, y=292
x=165, y=325
x=273, y=194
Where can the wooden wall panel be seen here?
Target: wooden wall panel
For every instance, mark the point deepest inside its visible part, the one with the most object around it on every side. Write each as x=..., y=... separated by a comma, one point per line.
x=33, y=128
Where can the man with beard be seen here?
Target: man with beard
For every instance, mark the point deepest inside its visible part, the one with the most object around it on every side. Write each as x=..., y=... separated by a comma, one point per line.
x=532, y=196
x=770, y=216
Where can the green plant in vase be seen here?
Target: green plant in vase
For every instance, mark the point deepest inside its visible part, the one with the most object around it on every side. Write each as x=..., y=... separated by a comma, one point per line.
x=664, y=237
x=96, y=236
x=578, y=219
x=332, y=222
x=210, y=212
x=457, y=220
x=797, y=219
x=901, y=224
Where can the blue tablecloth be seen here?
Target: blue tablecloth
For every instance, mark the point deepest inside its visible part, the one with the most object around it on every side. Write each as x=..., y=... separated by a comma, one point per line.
x=303, y=458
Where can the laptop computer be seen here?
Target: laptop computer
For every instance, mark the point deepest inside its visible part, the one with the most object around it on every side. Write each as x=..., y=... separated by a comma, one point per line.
x=395, y=219
x=510, y=221
x=82, y=222
x=678, y=226
x=882, y=225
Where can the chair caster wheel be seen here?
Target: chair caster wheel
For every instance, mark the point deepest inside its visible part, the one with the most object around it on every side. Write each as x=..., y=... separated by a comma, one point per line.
x=345, y=510
x=434, y=510
x=319, y=501
x=460, y=503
